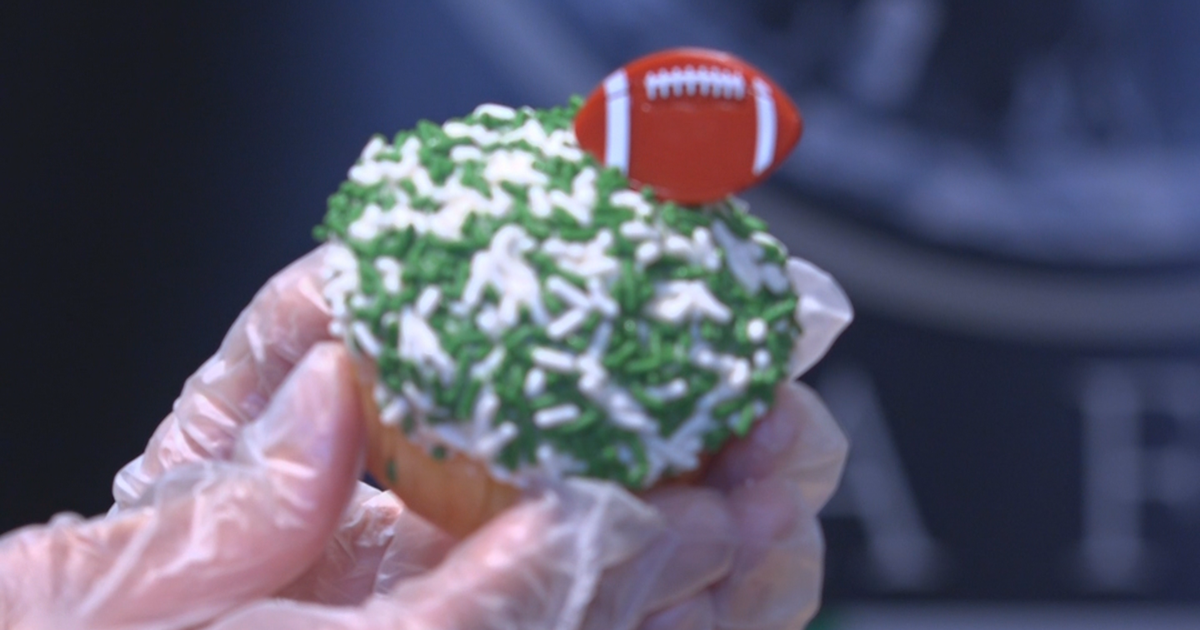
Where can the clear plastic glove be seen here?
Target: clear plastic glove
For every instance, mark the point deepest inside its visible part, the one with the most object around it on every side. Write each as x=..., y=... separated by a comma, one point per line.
x=244, y=513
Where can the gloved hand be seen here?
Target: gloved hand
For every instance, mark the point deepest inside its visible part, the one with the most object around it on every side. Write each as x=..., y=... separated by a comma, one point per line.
x=244, y=513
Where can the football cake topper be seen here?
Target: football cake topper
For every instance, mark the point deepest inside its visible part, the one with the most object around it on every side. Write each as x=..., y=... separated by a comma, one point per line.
x=695, y=125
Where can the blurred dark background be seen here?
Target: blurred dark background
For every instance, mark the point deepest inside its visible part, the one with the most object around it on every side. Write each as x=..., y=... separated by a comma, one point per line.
x=1009, y=190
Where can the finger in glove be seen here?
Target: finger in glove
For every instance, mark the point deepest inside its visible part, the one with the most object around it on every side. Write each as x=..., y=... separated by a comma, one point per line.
x=208, y=536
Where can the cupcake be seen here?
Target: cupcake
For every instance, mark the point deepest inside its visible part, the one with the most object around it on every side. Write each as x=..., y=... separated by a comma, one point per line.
x=520, y=314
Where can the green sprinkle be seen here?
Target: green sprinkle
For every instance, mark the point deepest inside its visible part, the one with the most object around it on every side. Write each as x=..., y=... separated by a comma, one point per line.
x=726, y=408
x=438, y=452
x=745, y=419
x=779, y=309
x=585, y=420
x=621, y=355
x=543, y=401
x=472, y=177
x=518, y=192
x=391, y=471
x=466, y=403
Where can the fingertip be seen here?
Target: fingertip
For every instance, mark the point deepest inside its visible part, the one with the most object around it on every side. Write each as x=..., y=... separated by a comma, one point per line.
x=310, y=440
x=798, y=439
x=776, y=577
x=700, y=544
x=756, y=455
x=700, y=513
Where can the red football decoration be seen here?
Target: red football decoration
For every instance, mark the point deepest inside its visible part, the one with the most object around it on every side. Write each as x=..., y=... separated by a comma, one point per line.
x=696, y=125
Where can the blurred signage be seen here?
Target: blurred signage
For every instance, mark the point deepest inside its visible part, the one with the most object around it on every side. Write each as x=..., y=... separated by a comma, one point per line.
x=1001, y=474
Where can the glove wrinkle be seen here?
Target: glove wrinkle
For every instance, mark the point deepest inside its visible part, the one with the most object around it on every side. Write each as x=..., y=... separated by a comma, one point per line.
x=244, y=513
x=285, y=318
x=694, y=613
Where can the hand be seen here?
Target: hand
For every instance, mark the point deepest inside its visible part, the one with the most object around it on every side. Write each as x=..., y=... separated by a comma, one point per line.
x=244, y=512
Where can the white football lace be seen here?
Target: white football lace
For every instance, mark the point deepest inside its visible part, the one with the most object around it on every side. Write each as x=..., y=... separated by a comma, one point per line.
x=691, y=81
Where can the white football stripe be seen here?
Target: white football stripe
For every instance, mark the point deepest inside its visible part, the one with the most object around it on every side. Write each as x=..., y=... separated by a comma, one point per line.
x=616, y=140
x=764, y=146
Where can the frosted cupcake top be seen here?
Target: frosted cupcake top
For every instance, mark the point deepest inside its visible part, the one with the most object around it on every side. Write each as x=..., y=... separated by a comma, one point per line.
x=524, y=307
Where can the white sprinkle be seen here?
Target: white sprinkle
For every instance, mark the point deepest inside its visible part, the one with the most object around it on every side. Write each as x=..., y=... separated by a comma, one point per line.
x=679, y=298
x=637, y=231
x=756, y=330
x=704, y=357
x=632, y=200
x=671, y=309
x=393, y=412
x=465, y=152
x=708, y=305
x=774, y=278
x=535, y=383
x=626, y=413
x=647, y=252
x=554, y=360
x=673, y=390
x=741, y=256
x=419, y=343
x=562, y=249
x=677, y=245
x=367, y=173
x=389, y=270
x=571, y=206
x=515, y=167
x=380, y=393
x=503, y=266
x=531, y=132
x=555, y=416
x=599, y=298
x=586, y=259
x=424, y=184
x=366, y=341
x=417, y=398
x=593, y=375
x=428, y=302
x=592, y=380
x=499, y=112
x=410, y=161
x=480, y=134
x=539, y=202
x=489, y=445
x=485, y=409
x=366, y=226
x=488, y=321
x=558, y=464
x=762, y=359
x=704, y=250
x=739, y=376
x=567, y=291
x=764, y=238
x=561, y=143
x=600, y=341
x=374, y=146
x=340, y=258
x=447, y=222
x=583, y=196
x=485, y=368
x=566, y=324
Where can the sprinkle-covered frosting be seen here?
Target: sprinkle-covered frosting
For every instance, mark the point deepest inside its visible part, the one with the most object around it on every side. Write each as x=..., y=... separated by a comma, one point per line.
x=526, y=308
